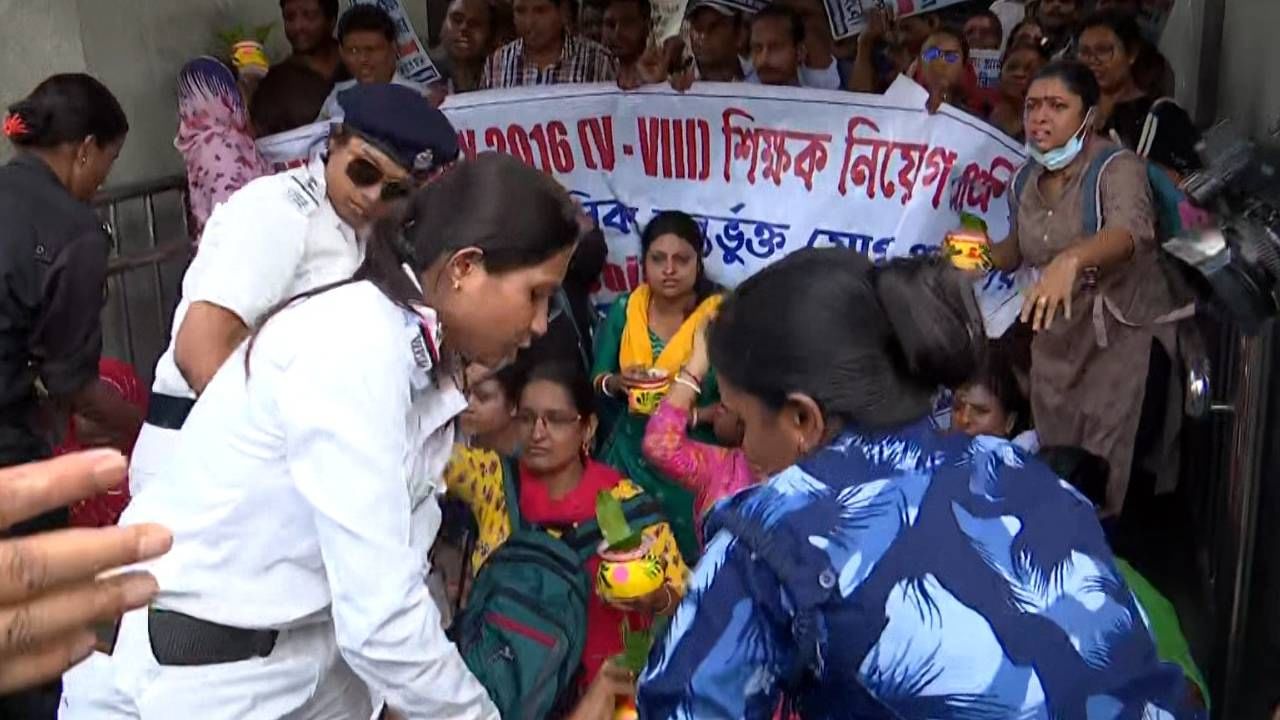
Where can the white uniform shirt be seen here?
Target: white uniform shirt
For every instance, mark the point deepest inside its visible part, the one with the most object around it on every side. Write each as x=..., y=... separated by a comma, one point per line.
x=332, y=109
x=276, y=237
x=309, y=489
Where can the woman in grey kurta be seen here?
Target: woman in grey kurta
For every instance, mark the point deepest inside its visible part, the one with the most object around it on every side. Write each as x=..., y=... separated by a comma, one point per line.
x=1100, y=298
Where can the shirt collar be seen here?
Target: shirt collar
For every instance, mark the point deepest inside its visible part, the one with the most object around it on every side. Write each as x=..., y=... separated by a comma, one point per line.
x=568, y=47
x=36, y=165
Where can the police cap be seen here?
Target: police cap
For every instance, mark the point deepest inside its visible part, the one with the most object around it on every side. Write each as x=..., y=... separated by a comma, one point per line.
x=401, y=123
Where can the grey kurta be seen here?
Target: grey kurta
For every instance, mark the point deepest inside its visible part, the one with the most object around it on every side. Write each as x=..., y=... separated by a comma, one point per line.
x=1088, y=374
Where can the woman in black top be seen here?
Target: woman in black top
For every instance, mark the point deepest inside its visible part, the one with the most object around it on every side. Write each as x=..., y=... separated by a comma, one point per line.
x=1129, y=112
x=53, y=261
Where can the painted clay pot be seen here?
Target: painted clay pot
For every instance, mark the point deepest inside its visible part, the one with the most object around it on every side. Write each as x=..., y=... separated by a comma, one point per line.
x=967, y=249
x=629, y=575
x=625, y=709
x=644, y=396
x=250, y=57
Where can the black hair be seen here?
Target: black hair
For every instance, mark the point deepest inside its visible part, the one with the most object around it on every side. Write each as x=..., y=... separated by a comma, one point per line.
x=68, y=108
x=328, y=7
x=1078, y=78
x=1081, y=469
x=785, y=14
x=646, y=8
x=871, y=345
x=683, y=226
x=510, y=379
x=1124, y=26
x=1040, y=50
x=1043, y=45
x=569, y=376
x=987, y=14
x=954, y=33
x=535, y=220
x=995, y=372
x=288, y=97
x=367, y=18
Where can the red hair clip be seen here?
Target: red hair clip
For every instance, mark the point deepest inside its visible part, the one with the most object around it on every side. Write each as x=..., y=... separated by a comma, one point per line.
x=15, y=126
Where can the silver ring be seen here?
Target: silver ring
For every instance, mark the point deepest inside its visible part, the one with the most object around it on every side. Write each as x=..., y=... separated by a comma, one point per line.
x=1042, y=300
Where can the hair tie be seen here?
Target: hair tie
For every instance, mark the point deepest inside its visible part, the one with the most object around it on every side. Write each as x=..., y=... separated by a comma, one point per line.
x=15, y=127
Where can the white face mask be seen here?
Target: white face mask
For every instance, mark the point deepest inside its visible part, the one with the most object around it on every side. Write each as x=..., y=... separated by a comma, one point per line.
x=1060, y=157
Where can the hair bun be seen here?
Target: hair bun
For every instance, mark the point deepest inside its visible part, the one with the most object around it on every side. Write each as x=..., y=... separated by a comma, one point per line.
x=24, y=122
x=935, y=319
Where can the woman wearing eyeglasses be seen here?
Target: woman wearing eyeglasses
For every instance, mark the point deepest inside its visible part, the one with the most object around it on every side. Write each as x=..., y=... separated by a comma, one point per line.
x=557, y=487
x=945, y=72
x=282, y=235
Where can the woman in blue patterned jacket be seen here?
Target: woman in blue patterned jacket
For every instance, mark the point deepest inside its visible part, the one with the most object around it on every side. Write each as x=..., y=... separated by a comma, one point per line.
x=887, y=570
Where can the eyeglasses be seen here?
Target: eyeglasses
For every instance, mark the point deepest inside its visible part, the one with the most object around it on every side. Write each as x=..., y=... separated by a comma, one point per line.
x=1088, y=54
x=552, y=420
x=932, y=54
x=364, y=173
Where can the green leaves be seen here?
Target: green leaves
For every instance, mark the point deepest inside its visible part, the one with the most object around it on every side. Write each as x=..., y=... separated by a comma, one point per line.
x=636, y=644
x=238, y=34
x=617, y=532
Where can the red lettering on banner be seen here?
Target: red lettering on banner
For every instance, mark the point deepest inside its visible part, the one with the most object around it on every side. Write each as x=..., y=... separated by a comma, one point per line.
x=863, y=169
x=979, y=186
x=494, y=140
x=618, y=279
x=768, y=147
x=872, y=168
x=595, y=137
x=938, y=164
x=467, y=143
x=681, y=146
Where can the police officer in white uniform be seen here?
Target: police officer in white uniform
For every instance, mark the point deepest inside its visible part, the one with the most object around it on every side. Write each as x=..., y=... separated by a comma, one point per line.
x=284, y=234
x=303, y=491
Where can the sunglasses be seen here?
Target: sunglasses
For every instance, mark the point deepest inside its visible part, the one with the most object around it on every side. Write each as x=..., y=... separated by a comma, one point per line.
x=364, y=173
x=933, y=54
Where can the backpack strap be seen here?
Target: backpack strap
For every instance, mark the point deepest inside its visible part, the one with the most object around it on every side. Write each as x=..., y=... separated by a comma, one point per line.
x=807, y=589
x=1015, y=195
x=1092, y=187
x=511, y=490
x=1150, y=127
x=641, y=511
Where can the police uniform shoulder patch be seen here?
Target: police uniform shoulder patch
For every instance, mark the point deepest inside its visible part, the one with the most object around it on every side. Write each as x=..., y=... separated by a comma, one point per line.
x=304, y=192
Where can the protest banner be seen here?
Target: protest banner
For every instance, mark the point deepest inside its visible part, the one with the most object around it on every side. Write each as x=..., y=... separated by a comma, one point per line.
x=295, y=148
x=986, y=63
x=765, y=171
x=415, y=64
x=848, y=17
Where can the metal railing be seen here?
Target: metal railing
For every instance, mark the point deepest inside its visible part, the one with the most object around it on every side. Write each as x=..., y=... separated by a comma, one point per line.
x=151, y=249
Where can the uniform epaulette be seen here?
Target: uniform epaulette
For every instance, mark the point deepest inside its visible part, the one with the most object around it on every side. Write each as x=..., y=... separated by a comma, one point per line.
x=304, y=191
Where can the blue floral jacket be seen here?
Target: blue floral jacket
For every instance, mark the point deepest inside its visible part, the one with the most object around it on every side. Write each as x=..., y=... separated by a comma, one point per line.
x=954, y=579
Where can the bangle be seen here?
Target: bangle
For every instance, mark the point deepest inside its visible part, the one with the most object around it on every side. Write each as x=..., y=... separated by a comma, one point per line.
x=670, y=601
x=692, y=376
x=689, y=384
x=602, y=385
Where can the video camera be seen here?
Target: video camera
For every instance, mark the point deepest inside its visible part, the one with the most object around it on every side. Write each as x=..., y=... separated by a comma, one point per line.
x=1237, y=262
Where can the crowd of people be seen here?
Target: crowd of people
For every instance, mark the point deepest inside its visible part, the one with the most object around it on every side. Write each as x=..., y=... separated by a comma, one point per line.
x=369, y=473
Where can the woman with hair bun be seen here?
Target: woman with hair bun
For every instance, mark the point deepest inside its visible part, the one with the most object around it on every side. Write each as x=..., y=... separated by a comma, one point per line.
x=53, y=265
x=887, y=569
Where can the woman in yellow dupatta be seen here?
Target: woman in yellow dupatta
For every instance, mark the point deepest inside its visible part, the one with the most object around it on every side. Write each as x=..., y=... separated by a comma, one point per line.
x=641, y=348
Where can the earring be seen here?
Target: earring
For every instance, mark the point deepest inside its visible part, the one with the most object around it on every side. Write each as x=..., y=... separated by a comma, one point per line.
x=457, y=286
x=802, y=448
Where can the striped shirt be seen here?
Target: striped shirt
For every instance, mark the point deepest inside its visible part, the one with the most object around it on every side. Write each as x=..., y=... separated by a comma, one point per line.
x=581, y=61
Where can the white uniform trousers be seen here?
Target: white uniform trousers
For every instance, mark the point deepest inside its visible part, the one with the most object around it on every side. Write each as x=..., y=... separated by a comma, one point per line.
x=304, y=678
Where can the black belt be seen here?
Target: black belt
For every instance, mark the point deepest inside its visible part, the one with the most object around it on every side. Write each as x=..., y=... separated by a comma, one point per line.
x=181, y=640
x=168, y=412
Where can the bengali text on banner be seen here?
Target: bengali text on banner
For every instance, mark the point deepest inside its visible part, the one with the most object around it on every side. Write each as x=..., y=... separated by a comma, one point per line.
x=765, y=171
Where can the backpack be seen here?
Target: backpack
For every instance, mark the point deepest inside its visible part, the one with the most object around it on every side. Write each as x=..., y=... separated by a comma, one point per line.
x=1166, y=197
x=523, y=631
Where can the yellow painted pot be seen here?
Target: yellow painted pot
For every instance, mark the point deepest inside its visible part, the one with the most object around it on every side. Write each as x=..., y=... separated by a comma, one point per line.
x=629, y=575
x=625, y=709
x=967, y=249
x=643, y=398
x=250, y=57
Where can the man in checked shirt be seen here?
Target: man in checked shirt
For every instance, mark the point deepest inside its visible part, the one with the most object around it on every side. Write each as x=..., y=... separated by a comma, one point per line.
x=546, y=52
